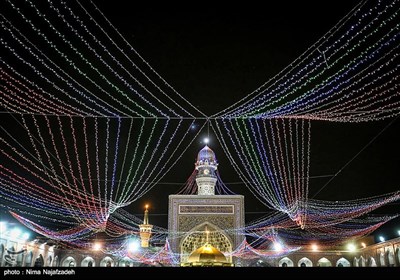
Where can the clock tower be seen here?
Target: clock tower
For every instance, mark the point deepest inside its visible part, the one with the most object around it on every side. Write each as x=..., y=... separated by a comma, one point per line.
x=206, y=165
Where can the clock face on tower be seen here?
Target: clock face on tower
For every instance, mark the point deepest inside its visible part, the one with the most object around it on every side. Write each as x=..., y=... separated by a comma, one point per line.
x=206, y=171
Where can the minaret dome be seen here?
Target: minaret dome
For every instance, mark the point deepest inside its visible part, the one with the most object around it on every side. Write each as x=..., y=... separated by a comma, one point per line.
x=206, y=165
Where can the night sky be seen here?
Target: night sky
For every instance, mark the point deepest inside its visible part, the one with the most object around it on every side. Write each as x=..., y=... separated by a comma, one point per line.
x=214, y=56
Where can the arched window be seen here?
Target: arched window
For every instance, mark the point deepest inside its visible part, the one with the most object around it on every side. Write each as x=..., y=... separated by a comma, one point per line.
x=324, y=262
x=305, y=262
x=88, y=262
x=39, y=261
x=371, y=262
x=382, y=259
x=107, y=262
x=69, y=262
x=285, y=262
x=362, y=261
x=28, y=259
x=342, y=262
x=390, y=258
x=355, y=262
x=49, y=261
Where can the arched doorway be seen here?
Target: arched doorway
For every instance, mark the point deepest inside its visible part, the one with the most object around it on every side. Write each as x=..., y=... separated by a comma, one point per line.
x=39, y=262
x=371, y=262
x=69, y=262
x=342, y=262
x=390, y=258
x=28, y=259
x=88, y=262
x=355, y=262
x=382, y=259
x=49, y=261
x=124, y=262
x=324, y=262
x=107, y=262
x=304, y=262
x=197, y=237
x=285, y=262
x=361, y=262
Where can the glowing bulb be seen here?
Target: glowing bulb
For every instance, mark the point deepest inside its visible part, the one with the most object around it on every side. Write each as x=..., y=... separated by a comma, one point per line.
x=278, y=246
x=133, y=246
x=146, y=206
x=206, y=140
x=96, y=246
x=351, y=247
x=398, y=232
x=381, y=239
x=363, y=245
x=314, y=247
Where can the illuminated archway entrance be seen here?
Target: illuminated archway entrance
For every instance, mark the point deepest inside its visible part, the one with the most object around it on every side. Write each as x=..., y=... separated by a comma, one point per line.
x=197, y=237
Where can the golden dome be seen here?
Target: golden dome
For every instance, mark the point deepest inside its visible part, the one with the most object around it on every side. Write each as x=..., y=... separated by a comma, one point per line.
x=207, y=254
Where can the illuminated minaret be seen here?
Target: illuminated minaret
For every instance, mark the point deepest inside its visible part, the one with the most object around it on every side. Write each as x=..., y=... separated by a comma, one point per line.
x=145, y=229
x=206, y=165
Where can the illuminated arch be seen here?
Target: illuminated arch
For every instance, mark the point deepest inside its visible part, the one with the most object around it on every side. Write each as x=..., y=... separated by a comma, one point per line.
x=361, y=261
x=390, y=258
x=344, y=262
x=287, y=261
x=55, y=262
x=88, y=262
x=305, y=262
x=39, y=262
x=28, y=259
x=371, y=262
x=382, y=261
x=107, y=261
x=49, y=261
x=324, y=262
x=125, y=262
x=69, y=262
x=197, y=238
